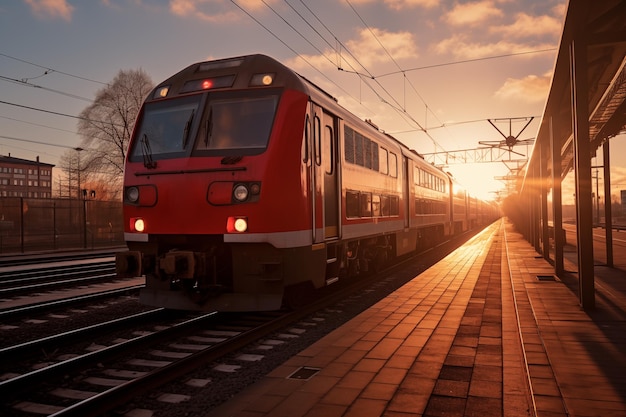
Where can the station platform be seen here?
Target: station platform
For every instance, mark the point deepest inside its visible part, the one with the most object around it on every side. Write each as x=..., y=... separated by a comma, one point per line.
x=488, y=331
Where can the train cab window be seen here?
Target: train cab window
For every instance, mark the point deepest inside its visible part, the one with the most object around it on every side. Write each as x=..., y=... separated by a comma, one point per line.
x=243, y=123
x=165, y=128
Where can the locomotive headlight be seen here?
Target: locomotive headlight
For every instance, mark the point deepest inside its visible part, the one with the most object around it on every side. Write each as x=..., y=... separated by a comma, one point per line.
x=241, y=225
x=237, y=224
x=262, y=79
x=240, y=192
x=137, y=224
x=161, y=92
x=132, y=194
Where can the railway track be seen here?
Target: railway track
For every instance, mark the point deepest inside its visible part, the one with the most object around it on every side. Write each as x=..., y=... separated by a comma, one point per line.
x=117, y=367
x=40, y=288
x=151, y=357
x=120, y=367
x=44, y=279
x=31, y=259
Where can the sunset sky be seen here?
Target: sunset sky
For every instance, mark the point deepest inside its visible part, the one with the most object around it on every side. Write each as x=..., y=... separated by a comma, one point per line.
x=430, y=72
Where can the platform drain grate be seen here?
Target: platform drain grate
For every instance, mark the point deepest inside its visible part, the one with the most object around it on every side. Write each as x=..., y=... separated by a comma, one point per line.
x=304, y=373
x=545, y=277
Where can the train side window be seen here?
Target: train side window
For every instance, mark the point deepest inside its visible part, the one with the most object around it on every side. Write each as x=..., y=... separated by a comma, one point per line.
x=394, y=205
x=366, y=205
x=317, y=140
x=305, y=139
x=329, y=155
x=393, y=164
x=352, y=204
x=384, y=205
x=376, y=205
x=383, y=166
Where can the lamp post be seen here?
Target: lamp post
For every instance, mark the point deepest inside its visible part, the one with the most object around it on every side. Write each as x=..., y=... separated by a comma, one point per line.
x=87, y=195
x=78, y=149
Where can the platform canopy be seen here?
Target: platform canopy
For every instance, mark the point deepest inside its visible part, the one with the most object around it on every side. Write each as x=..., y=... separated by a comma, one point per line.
x=601, y=26
x=586, y=107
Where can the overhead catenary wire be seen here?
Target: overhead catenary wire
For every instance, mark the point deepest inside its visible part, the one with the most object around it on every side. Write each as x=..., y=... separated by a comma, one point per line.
x=57, y=113
x=50, y=70
x=285, y=44
x=37, y=124
x=403, y=107
x=364, y=78
x=466, y=61
x=381, y=98
x=24, y=82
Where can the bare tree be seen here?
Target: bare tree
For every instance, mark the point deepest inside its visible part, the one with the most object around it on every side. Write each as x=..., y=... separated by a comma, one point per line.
x=105, y=127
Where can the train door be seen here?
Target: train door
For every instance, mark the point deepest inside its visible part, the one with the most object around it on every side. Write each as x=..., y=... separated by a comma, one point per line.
x=329, y=171
x=326, y=174
x=406, y=194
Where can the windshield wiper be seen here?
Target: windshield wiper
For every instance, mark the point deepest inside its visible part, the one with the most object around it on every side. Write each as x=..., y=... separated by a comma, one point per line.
x=209, y=128
x=147, y=153
x=188, y=128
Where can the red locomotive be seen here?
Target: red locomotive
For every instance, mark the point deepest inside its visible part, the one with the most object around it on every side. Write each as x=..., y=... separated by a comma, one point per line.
x=246, y=186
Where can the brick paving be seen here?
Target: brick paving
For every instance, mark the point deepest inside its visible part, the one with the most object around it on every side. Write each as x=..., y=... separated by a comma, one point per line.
x=475, y=335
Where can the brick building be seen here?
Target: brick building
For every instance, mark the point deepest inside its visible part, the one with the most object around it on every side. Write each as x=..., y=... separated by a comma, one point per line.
x=24, y=178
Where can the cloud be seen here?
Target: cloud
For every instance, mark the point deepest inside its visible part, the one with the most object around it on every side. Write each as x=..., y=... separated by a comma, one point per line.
x=526, y=26
x=45, y=9
x=531, y=88
x=366, y=49
x=400, y=45
x=215, y=11
x=402, y=4
x=461, y=48
x=471, y=13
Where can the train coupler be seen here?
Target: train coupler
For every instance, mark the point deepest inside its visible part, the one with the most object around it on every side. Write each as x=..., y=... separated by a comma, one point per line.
x=128, y=264
x=181, y=264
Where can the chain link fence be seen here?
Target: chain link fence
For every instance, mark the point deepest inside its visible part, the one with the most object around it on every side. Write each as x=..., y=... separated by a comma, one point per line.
x=30, y=224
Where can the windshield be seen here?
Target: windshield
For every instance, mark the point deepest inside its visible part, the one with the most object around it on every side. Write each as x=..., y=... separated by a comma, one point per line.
x=223, y=125
x=242, y=124
x=165, y=128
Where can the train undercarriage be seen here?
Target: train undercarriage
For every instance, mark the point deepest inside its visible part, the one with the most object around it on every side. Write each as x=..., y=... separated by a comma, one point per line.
x=203, y=273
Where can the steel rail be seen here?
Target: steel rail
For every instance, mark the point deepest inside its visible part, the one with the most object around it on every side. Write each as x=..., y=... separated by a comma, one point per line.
x=5, y=292
x=16, y=352
x=34, y=308
x=20, y=383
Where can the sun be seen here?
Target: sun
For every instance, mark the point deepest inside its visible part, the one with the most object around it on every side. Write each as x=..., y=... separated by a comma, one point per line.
x=480, y=180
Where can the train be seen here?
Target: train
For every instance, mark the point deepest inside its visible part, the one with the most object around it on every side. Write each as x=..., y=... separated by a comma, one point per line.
x=247, y=188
